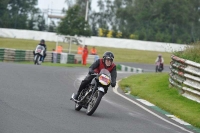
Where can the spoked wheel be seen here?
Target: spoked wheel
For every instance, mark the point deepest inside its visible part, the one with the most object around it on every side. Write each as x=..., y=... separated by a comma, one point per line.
x=94, y=103
x=78, y=106
x=37, y=58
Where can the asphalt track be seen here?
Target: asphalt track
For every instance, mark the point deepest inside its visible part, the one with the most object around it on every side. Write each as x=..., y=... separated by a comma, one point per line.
x=35, y=99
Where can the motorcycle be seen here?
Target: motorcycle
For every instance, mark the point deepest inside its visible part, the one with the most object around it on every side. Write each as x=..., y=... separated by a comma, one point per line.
x=39, y=53
x=159, y=66
x=91, y=96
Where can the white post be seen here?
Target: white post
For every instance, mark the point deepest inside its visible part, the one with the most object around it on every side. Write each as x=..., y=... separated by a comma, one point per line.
x=56, y=43
x=70, y=43
x=86, y=13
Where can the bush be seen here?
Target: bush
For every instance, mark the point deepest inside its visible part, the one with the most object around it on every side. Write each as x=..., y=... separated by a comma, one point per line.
x=191, y=52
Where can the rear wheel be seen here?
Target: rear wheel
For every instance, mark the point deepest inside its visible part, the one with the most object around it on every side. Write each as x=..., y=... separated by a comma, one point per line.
x=94, y=103
x=159, y=68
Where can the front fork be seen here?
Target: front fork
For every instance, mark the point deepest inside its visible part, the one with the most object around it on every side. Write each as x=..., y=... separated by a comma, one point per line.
x=93, y=92
x=41, y=57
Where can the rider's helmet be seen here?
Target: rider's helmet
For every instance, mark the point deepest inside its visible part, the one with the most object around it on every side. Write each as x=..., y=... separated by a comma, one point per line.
x=108, y=56
x=159, y=55
x=42, y=41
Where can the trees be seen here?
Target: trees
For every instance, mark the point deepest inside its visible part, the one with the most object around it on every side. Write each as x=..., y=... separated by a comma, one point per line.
x=74, y=23
x=3, y=13
x=174, y=21
x=15, y=13
x=52, y=27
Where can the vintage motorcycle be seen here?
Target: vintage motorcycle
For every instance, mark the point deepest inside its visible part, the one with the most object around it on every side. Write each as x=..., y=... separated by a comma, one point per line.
x=91, y=96
x=159, y=66
x=39, y=54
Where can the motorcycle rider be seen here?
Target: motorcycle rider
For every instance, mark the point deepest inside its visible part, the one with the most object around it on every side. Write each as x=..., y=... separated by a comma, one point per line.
x=42, y=43
x=161, y=60
x=105, y=63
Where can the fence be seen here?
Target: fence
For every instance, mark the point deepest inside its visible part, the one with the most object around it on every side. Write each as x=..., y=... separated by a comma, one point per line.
x=185, y=75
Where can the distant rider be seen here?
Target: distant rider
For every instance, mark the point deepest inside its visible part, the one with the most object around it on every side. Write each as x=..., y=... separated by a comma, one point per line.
x=160, y=60
x=105, y=63
x=42, y=43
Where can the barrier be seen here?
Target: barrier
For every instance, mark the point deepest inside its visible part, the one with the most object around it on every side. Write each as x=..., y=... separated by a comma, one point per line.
x=129, y=69
x=63, y=58
x=185, y=75
x=27, y=55
x=70, y=58
x=20, y=55
x=2, y=54
x=90, y=59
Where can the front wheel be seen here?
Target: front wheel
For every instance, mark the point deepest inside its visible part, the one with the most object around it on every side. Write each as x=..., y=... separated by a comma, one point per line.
x=156, y=68
x=37, y=58
x=77, y=107
x=94, y=103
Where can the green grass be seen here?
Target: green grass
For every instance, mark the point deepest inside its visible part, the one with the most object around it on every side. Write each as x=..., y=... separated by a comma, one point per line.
x=191, y=53
x=121, y=55
x=154, y=87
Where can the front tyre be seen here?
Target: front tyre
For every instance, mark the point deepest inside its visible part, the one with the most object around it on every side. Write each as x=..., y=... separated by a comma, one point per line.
x=94, y=103
x=156, y=68
x=37, y=58
x=77, y=107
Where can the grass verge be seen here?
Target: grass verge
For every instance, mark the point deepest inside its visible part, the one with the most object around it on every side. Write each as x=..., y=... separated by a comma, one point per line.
x=154, y=87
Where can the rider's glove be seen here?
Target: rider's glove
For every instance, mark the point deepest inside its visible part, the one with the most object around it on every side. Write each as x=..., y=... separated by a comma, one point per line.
x=91, y=71
x=113, y=84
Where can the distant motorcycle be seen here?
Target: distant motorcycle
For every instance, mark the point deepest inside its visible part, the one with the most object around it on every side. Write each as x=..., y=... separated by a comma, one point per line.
x=159, y=66
x=91, y=96
x=39, y=55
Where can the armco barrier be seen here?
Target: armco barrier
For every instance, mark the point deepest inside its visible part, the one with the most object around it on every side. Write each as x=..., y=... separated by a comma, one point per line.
x=129, y=69
x=185, y=75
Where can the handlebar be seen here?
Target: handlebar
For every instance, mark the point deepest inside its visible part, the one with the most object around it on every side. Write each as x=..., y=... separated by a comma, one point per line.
x=95, y=74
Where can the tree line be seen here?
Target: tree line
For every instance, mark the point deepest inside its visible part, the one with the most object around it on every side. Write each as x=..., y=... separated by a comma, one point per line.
x=23, y=14
x=174, y=21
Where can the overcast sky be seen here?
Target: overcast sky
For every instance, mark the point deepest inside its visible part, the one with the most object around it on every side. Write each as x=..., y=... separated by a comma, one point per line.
x=55, y=7
x=58, y=4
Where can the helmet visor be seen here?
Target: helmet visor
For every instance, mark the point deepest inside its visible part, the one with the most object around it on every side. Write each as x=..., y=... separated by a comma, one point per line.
x=108, y=59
